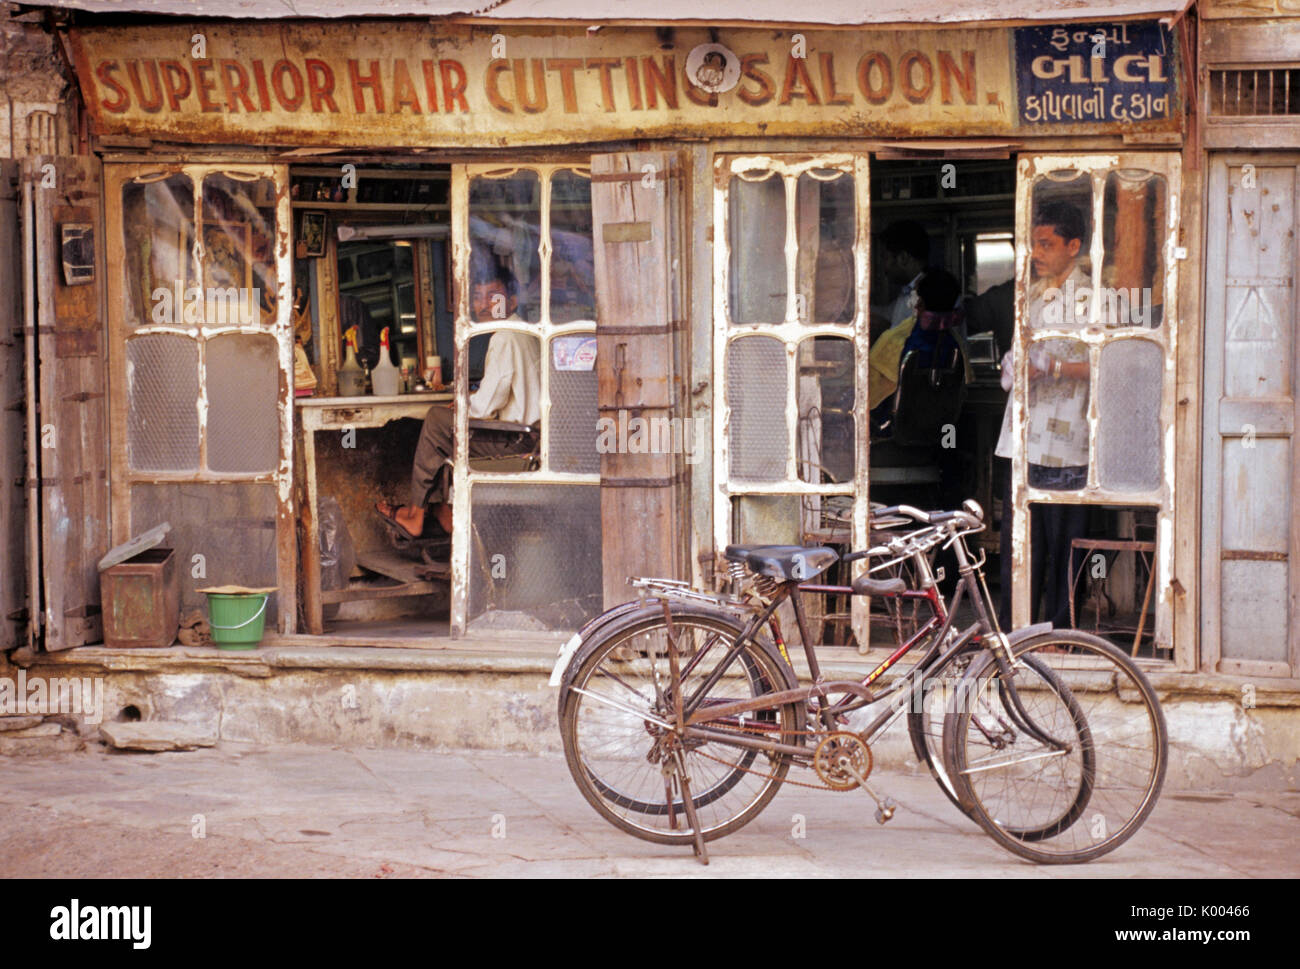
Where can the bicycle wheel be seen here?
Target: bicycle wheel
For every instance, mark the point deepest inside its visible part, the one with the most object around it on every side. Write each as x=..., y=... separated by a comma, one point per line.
x=928, y=706
x=616, y=750
x=1076, y=773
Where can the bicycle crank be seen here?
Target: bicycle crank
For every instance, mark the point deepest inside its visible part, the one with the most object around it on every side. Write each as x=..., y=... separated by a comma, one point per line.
x=842, y=760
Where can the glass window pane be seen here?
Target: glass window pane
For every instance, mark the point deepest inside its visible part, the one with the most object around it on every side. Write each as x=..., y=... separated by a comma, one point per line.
x=243, y=412
x=1059, y=286
x=826, y=397
x=510, y=390
x=1058, y=414
x=158, y=231
x=827, y=222
x=1060, y=233
x=238, y=237
x=758, y=442
x=1128, y=411
x=757, y=281
x=573, y=274
x=504, y=233
x=1132, y=275
x=162, y=390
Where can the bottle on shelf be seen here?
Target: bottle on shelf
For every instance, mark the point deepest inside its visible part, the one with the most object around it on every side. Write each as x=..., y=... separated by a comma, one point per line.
x=352, y=379
x=385, y=377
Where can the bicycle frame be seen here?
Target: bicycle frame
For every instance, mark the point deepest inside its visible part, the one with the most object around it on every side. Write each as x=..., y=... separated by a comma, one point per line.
x=936, y=630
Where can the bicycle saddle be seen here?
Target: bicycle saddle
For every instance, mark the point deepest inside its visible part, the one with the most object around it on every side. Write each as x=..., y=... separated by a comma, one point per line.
x=789, y=563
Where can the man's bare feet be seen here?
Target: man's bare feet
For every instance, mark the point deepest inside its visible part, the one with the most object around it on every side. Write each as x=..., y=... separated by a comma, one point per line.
x=444, y=518
x=410, y=517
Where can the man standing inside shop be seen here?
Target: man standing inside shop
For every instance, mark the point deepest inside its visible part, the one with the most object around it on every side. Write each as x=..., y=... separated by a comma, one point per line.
x=1057, y=432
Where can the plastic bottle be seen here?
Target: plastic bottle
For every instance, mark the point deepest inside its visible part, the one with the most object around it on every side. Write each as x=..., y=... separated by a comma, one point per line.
x=384, y=376
x=352, y=379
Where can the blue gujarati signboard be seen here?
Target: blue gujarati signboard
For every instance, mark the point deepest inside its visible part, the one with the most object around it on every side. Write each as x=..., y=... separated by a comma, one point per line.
x=1095, y=74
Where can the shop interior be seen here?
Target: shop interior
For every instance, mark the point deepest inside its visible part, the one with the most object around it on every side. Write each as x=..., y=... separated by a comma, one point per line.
x=374, y=256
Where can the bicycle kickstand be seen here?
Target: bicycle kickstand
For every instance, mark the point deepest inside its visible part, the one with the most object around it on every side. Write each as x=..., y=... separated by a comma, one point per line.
x=884, y=808
x=688, y=803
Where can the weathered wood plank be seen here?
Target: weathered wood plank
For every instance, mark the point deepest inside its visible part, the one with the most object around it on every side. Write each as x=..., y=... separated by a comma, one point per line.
x=636, y=212
x=73, y=432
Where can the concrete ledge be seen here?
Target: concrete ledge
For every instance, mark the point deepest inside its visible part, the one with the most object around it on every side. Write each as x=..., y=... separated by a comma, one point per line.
x=494, y=695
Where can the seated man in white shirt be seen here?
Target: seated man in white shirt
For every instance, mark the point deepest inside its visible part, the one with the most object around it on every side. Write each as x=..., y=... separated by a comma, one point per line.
x=509, y=391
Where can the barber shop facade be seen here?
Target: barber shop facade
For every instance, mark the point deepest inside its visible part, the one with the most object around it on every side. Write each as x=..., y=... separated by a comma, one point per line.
x=689, y=222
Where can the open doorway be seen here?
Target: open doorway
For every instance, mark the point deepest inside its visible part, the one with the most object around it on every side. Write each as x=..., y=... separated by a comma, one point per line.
x=375, y=350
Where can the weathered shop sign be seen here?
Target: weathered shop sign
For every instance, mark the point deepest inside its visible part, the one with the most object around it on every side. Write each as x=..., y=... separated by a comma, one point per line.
x=1080, y=74
x=409, y=84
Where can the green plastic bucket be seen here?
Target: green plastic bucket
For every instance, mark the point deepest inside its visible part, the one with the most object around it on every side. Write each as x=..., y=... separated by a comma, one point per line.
x=237, y=619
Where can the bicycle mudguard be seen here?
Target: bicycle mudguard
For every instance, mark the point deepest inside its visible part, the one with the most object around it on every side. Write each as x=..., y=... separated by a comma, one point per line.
x=619, y=618
x=587, y=632
x=1017, y=635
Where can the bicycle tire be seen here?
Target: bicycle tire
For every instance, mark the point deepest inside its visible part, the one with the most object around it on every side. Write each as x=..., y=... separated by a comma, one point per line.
x=1101, y=706
x=925, y=723
x=612, y=753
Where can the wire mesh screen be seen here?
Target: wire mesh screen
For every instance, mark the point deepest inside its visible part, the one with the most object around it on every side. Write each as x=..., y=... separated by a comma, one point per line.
x=243, y=412
x=162, y=390
x=573, y=423
x=758, y=441
x=222, y=533
x=535, y=556
x=1128, y=407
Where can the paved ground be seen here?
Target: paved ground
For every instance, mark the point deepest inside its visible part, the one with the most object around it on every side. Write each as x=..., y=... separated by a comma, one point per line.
x=313, y=811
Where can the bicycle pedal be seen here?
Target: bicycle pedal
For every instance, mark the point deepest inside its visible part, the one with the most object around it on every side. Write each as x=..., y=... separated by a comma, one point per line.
x=886, y=810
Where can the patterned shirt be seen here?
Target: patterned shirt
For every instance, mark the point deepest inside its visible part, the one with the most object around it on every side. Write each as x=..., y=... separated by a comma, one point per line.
x=1058, y=407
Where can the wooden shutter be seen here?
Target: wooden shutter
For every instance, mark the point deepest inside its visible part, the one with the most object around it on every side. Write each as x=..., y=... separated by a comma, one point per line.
x=636, y=203
x=71, y=420
x=1250, y=603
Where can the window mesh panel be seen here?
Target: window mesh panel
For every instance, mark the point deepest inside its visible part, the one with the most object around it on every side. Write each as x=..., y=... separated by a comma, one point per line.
x=232, y=526
x=1128, y=404
x=535, y=560
x=758, y=442
x=162, y=388
x=243, y=412
x=573, y=421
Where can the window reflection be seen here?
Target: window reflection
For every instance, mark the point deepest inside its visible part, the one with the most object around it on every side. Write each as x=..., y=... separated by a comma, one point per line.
x=505, y=231
x=757, y=244
x=826, y=397
x=238, y=236
x=158, y=237
x=573, y=275
x=1132, y=272
x=827, y=223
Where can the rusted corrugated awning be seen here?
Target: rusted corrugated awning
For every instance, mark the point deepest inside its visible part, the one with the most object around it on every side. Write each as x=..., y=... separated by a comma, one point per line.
x=827, y=12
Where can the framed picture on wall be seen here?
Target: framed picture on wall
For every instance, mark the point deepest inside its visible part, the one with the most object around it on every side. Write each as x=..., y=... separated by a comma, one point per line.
x=312, y=235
